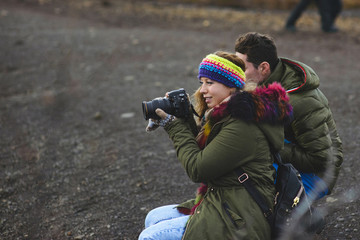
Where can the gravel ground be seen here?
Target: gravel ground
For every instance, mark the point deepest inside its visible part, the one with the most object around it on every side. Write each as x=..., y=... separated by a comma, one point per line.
x=75, y=161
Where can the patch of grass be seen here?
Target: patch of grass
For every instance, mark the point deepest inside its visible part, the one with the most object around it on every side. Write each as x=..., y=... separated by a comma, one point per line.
x=264, y=4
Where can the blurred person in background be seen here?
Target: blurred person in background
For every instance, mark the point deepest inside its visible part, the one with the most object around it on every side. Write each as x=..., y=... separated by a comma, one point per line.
x=329, y=10
x=312, y=142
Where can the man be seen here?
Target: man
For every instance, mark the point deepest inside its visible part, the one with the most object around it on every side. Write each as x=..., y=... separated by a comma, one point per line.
x=312, y=143
x=329, y=10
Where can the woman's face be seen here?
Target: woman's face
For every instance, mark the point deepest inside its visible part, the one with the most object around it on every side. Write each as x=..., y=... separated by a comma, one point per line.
x=214, y=92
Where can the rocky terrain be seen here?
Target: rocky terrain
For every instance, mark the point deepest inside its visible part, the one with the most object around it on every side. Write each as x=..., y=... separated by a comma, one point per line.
x=75, y=161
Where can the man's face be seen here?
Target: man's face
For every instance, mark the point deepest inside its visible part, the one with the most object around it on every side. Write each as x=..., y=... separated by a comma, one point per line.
x=252, y=74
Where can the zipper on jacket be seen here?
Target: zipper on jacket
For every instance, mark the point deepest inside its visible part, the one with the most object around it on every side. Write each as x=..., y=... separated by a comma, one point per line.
x=297, y=198
x=191, y=216
x=186, y=227
x=226, y=207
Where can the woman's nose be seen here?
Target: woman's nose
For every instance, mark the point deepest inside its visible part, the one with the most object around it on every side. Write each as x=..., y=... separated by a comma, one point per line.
x=202, y=88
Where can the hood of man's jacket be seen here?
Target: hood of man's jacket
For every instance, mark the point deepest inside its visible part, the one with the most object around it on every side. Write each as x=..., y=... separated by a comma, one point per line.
x=294, y=76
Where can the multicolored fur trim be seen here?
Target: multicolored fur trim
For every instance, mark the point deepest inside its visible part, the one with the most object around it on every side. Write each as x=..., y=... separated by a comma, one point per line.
x=264, y=104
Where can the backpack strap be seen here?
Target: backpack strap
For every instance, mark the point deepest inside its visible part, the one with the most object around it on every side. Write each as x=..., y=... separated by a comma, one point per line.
x=249, y=185
x=277, y=157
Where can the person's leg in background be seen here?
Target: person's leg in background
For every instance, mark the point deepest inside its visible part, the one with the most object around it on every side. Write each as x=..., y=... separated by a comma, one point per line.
x=336, y=8
x=295, y=14
x=329, y=10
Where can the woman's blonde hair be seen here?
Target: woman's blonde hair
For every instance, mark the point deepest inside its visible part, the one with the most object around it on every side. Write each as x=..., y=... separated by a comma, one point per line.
x=200, y=105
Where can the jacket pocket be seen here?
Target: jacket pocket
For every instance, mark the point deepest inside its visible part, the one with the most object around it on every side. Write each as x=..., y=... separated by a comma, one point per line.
x=235, y=219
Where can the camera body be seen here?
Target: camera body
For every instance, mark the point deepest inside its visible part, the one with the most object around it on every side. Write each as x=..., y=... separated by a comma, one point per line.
x=176, y=104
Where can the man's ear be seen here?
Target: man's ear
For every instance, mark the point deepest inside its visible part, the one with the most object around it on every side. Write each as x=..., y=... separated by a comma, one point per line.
x=264, y=69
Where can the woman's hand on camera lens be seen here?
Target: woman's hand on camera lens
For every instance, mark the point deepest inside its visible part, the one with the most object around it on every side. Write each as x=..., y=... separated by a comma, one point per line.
x=164, y=121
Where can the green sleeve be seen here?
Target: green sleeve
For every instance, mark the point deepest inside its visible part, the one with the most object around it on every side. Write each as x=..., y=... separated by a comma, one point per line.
x=234, y=145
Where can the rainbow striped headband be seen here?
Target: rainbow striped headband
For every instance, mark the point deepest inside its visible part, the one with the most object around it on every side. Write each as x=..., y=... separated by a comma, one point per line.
x=222, y=70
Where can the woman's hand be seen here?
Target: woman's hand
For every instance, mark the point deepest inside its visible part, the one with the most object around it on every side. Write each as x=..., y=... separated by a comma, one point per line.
x=161, y=113
x=164, y=121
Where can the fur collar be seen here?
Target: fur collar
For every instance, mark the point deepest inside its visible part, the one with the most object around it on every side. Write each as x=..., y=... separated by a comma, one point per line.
x=264, y=104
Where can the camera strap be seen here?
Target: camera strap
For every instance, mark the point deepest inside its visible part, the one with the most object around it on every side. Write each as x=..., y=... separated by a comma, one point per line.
x=193, y=110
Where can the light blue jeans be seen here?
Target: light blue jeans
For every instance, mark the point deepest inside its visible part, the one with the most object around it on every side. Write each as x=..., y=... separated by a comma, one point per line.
x=164, y=223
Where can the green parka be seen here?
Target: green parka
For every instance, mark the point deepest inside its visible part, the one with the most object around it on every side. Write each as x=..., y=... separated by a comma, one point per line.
x=315, y=146
x=239, y=138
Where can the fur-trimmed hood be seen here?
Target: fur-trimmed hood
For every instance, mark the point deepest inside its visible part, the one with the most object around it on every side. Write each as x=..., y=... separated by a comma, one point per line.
x=263, y=105
x=268, y=107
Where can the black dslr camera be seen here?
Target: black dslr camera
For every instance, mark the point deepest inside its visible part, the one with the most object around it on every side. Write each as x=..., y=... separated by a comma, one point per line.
x=176, y=104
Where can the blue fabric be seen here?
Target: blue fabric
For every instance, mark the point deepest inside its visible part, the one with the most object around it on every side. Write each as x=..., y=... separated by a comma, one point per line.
x=164, y=223
x=314, y=186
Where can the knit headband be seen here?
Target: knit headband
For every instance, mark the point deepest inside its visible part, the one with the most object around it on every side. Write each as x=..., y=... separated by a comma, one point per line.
x=222, y=70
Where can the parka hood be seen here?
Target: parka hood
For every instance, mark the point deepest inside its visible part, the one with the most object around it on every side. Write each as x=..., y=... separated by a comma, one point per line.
x=263, y=105
x=266, y=106
x=294, y=76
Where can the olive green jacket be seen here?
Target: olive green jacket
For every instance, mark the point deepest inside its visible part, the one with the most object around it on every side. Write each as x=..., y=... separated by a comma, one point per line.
x=315, y=146
x=227, y=210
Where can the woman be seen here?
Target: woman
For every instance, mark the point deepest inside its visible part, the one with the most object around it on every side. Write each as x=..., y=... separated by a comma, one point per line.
x=235, y=127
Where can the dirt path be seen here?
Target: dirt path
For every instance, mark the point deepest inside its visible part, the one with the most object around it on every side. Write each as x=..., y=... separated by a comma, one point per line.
x=75, y=161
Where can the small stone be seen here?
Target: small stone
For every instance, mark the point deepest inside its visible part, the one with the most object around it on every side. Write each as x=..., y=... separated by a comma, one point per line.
x=129, y=78
x=128, y=115
x=97, y=116
x=171, y=152
x=331, y=199
x=317, y=59
x=3, y=13
x=135, y=41
x=206, y=23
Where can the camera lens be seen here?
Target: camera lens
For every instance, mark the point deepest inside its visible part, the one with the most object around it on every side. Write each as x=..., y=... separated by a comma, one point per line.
x=150, y=107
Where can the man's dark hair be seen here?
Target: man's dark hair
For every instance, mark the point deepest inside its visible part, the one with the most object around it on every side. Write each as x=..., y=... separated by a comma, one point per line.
x=258, y=48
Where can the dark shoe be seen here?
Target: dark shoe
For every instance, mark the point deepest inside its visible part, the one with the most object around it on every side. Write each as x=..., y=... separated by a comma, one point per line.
x=332, y=29
x=290, y=28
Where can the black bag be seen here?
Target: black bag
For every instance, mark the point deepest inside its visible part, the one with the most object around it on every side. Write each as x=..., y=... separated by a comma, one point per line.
x=291, y=202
